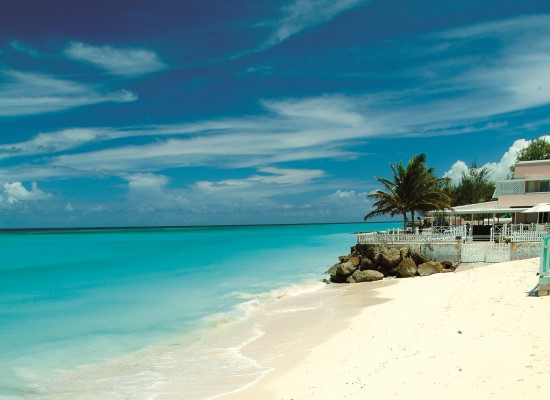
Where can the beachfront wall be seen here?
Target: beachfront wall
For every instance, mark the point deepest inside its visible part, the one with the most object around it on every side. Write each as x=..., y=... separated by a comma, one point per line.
x=522, y=251
x=455, y=247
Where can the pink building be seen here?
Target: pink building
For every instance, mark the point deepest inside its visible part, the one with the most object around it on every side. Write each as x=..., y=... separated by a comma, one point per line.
x=530, y=186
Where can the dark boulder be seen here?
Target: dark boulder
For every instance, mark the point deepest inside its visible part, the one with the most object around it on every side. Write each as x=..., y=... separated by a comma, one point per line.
x=367, y=263
x=448, y=266
x=430, y=268
x=419, y=258
x=390, y=258
x=365, y=276
x=405, y=252
x=349, y=267
x=406, y=268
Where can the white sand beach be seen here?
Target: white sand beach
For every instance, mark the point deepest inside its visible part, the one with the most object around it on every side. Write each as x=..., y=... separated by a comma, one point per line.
x=476, y=333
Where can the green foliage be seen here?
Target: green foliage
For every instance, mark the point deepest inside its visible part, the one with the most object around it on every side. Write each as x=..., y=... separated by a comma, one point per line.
x=413, y=188
x=538, y=149
x=474, y=187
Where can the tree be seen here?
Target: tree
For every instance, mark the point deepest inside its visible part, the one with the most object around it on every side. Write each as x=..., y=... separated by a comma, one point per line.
x=474, y=187
x=538, y=149
x=413, y=188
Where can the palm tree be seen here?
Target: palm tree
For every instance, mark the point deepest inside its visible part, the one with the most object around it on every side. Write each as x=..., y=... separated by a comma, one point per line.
x=414, y=188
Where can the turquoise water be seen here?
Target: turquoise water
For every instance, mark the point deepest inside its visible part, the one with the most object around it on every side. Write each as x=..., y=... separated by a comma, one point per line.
x=75, y=300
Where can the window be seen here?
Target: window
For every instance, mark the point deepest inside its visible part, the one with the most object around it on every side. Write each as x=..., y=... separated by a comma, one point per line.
x=544, y=186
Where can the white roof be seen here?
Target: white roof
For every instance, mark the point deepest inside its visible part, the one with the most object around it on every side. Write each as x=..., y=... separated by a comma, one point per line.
x=489, y=207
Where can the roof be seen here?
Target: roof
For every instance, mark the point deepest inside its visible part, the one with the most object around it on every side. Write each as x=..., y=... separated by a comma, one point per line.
x=532, y=162
x=489, y=207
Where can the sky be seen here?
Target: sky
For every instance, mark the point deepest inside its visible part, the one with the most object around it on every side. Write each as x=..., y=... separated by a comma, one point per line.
x=180, y=112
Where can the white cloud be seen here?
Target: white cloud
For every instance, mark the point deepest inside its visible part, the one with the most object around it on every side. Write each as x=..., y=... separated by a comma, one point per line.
x=146, y=181
x=53, y=142
x=271, y=181
x=335, y=110
x=148, y=192
x=293, y=130
x=15, y=192
x=25, y=49
x=117, y=61
x=303, y=14
x=499, y=170
x=346, y=195
x=287, y=176
x=25, y=93
x=456, y=171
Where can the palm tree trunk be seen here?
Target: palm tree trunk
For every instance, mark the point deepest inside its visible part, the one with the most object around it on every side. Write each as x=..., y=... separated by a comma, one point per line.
x=412, y=220
x=405, y=221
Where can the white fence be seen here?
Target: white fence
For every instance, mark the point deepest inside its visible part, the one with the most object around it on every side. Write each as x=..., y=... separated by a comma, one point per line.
x=514, y=233
x=490, y=252
x=436, y=234
x=518, y=233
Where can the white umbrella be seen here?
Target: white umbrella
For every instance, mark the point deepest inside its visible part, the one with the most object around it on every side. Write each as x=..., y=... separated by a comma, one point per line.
x=541, y=207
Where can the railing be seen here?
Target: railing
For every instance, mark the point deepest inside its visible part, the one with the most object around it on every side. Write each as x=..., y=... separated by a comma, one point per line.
x=506, y=233
x=436, y=234
x=518, y=233
x=513, y=186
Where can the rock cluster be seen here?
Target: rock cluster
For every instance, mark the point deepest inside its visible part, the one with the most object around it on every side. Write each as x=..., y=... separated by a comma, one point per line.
x=369, y=262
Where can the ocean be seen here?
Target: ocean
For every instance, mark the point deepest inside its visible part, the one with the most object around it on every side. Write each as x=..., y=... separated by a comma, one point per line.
x=151, y=313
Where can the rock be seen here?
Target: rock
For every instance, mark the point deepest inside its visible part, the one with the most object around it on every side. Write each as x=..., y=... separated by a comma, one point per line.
x=343, y=258
x=374, y=253
x=404, y=252
x=367, y=263
x=338, y=278
x=419, y=258
x=361, y=249
x=335, y=277
x=390, y=258
x=370, y=251
x=406, y=268
x=332, y=270
x=430, y=268
x=448, y=265
x=355, y=260
x=365, y=276
x=347, y=268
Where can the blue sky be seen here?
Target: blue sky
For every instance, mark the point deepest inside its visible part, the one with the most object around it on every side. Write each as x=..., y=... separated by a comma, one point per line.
x=171, y=112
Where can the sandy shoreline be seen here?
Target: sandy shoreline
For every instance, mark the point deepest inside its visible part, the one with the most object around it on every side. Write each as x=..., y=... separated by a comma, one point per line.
x=475, y=333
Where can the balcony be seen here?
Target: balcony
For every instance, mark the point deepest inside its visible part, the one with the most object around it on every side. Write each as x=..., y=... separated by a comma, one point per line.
x=510, y=187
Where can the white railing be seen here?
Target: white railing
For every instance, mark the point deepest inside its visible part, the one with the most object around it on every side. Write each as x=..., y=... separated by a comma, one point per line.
x=506, y=233
x=436, y=234
x=518, y=233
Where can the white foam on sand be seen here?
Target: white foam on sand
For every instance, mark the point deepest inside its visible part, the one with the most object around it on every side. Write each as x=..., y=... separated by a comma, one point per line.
x=204, y=364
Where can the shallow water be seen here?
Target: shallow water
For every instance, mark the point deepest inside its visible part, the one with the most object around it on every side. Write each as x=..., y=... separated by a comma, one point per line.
x=149, y=313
